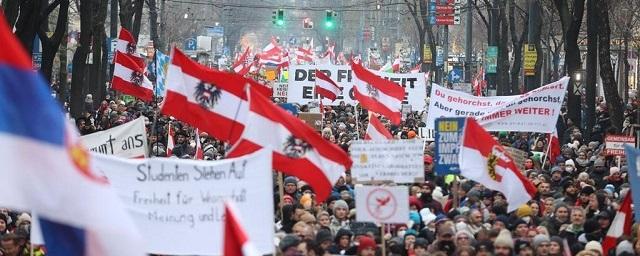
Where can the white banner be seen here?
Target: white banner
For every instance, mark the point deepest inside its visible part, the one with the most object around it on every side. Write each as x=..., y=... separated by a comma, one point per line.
x=400, y=161
x=178, y=204
x=128, y=140
x=280, y=90
x=534, y=111
x=379, y=204
x=302, y=82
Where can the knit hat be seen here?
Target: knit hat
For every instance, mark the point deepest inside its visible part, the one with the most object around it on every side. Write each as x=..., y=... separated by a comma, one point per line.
x=524, y=210
x=598, y=162
x=504, y=239
x=366, y=243
x=24, y=217
x=411, y=134
x=587, y=190
x=288, y=242
x=421, y=242
x=570, y=162
x=291, y=180
x=323, y=235
x=624, y=246
x=593, y=246
x=614, y=170
x=340, y=204
x=538, y=239
x=558, y=240
x=521, y=244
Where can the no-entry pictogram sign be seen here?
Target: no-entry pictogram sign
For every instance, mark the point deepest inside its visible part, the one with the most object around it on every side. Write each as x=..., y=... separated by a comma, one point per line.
x=380, y=204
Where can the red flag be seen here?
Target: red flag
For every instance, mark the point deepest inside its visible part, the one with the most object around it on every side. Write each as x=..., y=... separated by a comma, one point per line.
x=298, y=149
x=305, y=55
x=621, y=225
x=208, y=99
x=377, y=94
x=554, y=147
x=240, y=63
x=129, y=78
x=199, y=155
x=483, y=160
x=396, y=65
x=273, y=48
x=127, y=44
x=236, y=240
x=376, y=130
x=170, y=142
x=326, y=87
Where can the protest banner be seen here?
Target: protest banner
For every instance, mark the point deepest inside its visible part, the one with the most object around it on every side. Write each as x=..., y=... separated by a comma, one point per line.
x=178, y=205
x=280, y=90
x=399, y=161
x=382, y=204
x=534, y=111
x=128, y=140
x=302, y=83
x=448, y=136
x=614, y=144
x=518, y=156
x=633, y=160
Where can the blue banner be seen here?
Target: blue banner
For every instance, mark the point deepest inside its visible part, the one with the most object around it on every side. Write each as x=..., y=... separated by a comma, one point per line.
x=632, y=161
x=448, y=136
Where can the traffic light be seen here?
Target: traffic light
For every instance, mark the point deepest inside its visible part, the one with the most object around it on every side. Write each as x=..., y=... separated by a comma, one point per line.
x=278, y=17
x=329, y=21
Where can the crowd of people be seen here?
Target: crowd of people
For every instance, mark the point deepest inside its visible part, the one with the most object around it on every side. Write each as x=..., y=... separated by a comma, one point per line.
x=578, y=193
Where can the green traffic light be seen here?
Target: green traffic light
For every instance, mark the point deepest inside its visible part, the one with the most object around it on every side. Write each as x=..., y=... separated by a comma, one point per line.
x=280, y=22
x=328, y=24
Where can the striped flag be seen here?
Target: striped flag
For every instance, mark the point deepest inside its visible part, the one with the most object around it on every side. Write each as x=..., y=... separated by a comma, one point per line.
x=236, y=240
x=326, y=87
x=621, y=225
x=376, y=130
x=129, y=78
x=377, y=94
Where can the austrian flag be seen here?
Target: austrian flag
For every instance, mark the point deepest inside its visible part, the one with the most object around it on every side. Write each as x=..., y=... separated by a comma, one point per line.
x=376, y=130
x=127, y=44
x=326, y=87
x=129, y=78
x=210, y=100
x=483, y=160
x=298, y=150
x=377, y=94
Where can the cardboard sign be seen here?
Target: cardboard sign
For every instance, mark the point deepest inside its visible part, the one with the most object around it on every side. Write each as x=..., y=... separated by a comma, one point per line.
x=312, y=119
x=280, y=90
x=380, y=204
x=302, y=81
x=128, y=140
x=178, y=205
x=614, y=144
x=448, y=138
x=534, y=111
x=400, y=161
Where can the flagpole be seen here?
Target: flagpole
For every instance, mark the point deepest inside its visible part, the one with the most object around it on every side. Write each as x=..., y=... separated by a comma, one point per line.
x=357, y=122
x=384, y=244
x=546, y=154
x=155, y=99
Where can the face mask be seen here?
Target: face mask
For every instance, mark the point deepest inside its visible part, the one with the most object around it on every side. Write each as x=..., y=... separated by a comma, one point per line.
x=569, y=169
x=401, y=233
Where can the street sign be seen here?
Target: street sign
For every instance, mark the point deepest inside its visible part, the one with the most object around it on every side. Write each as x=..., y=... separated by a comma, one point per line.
x=382, y=204
x=445, y=9
x=37, y=60
x=427, y=57
x=439, y=56
x=455, y=75
x=444, y=20
x=190, y=44
x=530, y=58
x=492, y=59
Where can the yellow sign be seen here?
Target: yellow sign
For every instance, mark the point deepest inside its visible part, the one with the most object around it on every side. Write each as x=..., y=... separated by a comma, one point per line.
x=530, y=57
x=427, y=57
x=270, y=74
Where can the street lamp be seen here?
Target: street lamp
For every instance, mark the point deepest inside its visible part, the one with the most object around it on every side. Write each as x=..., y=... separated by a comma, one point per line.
x=578, y=81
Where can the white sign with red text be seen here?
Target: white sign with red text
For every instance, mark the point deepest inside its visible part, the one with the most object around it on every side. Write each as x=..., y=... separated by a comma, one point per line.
x=614, y=144
x=534, y=111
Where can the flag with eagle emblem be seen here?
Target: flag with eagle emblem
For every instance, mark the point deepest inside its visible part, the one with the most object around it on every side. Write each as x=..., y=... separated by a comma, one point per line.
x=377, y=94
x=127, y=45
x=298, y=149
x=483, y=160
x=129, y=78
x=211, y=100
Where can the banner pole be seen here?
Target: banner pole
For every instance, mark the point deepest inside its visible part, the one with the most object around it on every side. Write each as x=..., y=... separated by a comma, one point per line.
x=382, y=241
x=357, y=122
x=546, y=153
x=281, y=192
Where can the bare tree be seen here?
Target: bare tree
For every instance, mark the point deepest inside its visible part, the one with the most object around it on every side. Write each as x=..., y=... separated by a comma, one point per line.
x=51, y=44
x=517, y=40
x=131, y=15
x=420, y=13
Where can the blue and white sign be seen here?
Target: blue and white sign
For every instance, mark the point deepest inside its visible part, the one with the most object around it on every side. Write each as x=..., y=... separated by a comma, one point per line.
x=633, y=156
x=215, y=31
x=439, y=56
x=448, y=139
x=455, y=75
x=190, y=44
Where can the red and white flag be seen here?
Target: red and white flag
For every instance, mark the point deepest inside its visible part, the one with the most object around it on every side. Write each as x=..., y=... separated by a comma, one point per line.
x=129, y=78
x=127, y=44
x=273, y=48
x=298, y=149
x=376, y=130
x=241, y=62
x=396, y=65
x=377, y=94
x=326, y=87
x=479, y=83
x=199, y=155
x=621, y=225
x=170, y=143
x=484, y=160
x=236, y=240
x=554, y=147
x=211, y=100
x=304, y=55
